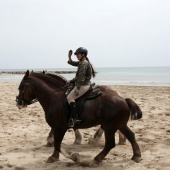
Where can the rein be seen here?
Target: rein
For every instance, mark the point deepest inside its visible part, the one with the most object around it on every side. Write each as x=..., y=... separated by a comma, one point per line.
x=61, y=88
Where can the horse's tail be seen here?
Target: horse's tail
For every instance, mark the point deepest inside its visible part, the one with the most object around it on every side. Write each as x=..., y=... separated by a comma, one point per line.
x=136, y=112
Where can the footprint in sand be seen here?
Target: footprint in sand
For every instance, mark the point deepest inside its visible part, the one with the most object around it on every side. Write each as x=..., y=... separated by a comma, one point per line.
x=152, y=108
x=167, y=142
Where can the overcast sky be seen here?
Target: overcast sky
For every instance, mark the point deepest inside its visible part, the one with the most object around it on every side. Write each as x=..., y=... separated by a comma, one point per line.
x=117, y=33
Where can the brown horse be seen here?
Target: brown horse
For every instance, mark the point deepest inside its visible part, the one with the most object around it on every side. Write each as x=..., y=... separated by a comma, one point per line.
x=78, y=136
x=109, y=110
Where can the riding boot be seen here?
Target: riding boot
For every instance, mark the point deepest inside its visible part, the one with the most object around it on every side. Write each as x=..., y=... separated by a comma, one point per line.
x=74, y=115
x=71, y=122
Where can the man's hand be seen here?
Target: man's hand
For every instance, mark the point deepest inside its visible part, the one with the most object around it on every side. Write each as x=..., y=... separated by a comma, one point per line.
x=70, y=53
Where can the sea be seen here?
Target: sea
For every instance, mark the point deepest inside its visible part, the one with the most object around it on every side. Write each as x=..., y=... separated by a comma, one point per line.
x=131, y=76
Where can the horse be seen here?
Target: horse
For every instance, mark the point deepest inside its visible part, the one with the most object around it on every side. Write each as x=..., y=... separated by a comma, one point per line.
x=78, y=136
x=109, y=110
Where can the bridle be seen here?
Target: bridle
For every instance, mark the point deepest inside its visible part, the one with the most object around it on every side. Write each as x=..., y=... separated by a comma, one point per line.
x=23, y=101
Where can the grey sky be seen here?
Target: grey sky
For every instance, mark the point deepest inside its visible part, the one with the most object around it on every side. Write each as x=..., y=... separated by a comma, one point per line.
x=39, y=33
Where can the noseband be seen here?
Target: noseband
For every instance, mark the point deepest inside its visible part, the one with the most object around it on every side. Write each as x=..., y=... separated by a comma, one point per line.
x=24, y=102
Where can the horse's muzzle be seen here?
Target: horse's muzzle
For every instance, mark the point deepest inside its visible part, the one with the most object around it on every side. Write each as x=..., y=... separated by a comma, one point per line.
x=20, y=103
x=21, y=106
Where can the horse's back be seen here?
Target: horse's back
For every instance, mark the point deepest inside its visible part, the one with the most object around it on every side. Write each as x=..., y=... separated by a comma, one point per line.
x=108, y=89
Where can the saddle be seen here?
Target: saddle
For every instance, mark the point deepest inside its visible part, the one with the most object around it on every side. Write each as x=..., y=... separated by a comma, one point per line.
x=92, y=93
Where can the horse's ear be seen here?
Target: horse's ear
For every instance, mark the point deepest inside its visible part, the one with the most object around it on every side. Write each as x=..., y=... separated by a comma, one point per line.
x=43, y=72
x=26, y=74
x=32, y=71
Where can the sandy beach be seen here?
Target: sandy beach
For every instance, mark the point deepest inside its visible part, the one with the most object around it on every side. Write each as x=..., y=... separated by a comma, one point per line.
x=23, y=134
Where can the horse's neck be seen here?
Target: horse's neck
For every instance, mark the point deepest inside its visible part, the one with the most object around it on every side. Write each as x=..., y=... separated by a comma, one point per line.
x=43, y=92
x=38, y=84
x=52, y=81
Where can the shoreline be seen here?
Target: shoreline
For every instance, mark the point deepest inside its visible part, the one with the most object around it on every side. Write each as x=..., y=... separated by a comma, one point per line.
x=16, y=76
x=23, y=72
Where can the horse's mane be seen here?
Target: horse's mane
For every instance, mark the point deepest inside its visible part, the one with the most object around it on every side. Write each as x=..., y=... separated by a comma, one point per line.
x=57, y=77
x=56, y=80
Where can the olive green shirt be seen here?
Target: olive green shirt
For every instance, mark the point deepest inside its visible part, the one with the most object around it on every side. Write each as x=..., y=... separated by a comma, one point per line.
x=83, y=74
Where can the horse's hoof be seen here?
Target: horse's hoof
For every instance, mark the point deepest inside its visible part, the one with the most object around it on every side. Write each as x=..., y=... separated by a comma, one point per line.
x=75, y=157
x=51, y=159
x=137, y=159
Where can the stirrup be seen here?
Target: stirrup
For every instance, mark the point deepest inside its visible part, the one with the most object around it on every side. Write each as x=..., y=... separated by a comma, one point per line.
x=71, y=123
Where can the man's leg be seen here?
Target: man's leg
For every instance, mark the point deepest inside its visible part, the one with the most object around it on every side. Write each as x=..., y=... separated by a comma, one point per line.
x=71, y=100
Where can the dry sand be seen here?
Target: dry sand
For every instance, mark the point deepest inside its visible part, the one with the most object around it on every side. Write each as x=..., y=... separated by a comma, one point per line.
x=23, y=134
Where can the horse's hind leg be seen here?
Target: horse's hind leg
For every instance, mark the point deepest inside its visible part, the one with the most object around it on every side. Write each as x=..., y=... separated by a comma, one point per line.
x=122, y=139
x=78, y=137
x=97, y=136
x=131, y=137
x=109, y=144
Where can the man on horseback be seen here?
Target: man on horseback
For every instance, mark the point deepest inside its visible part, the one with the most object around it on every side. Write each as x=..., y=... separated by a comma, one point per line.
x=81, y=81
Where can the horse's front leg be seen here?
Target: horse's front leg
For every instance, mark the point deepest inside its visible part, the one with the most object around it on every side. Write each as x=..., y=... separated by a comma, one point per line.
x=50, y=138
x=58, y=137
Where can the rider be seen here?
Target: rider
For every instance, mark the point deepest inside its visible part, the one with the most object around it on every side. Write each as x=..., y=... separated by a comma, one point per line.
x=82, y=81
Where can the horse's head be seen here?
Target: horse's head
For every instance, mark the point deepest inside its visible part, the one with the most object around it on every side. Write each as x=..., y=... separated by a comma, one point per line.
x=26, y=94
